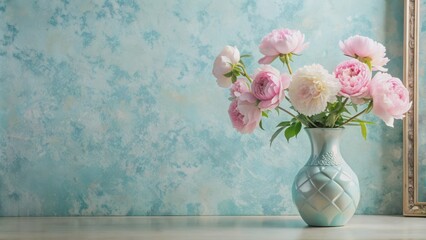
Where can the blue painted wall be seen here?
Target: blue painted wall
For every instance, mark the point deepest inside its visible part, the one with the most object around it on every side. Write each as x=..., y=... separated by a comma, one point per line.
x=109, y=107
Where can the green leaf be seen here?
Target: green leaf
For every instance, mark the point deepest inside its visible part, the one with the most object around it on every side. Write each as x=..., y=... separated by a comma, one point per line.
x=339, y=121
x=336, y=107
x=245, y=55
x=294, y=120
x=276, y=133
x=283, y=59
x=289, y=133
x=233, y=78
x=293, y=130
x=242, y=63
x=331, y=119
x=278, y=110
x=345, y=110
x=261, y=126
x=370, y=66
x=284, y=124
x=265, y=114
x=363, y=121
x=298, y=127
x=229, y=74
x=363, y=130
x=370, y=106
x=290, y=57
x=237, y=72
x=318, y=117
x=366, y=60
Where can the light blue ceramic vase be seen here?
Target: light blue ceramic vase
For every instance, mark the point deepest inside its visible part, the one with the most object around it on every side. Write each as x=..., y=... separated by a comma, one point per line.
x=326, y=190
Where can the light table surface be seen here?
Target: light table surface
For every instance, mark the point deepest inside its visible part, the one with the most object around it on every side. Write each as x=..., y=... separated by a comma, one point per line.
x=208, y=227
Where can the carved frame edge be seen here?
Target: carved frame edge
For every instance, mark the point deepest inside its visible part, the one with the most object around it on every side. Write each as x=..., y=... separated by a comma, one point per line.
x=411, y=207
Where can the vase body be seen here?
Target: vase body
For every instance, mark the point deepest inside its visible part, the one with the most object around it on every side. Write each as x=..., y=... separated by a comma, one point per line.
x=326, y=190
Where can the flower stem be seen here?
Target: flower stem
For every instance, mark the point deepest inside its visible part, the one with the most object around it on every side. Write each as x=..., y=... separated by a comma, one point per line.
x=340, y=111
x=307, y=118
x=289, y=68
x=285, y=59
x=288, y=112
x=358, y=114
x=246, y=75
x=291, y=114
x=310, y=122
x=287, y=63
x=344, y=102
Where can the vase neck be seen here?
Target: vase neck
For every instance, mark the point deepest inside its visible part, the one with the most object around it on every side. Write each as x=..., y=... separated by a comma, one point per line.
x=325, y=146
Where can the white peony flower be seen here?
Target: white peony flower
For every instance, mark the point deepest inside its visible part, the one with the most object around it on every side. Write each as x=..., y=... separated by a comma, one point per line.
x=311, y=88
x=223, y=64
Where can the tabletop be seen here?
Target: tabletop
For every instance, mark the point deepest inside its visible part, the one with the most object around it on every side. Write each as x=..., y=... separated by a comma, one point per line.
x=208, y=227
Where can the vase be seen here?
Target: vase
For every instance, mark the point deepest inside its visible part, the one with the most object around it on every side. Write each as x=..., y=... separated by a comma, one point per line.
x=326, y=190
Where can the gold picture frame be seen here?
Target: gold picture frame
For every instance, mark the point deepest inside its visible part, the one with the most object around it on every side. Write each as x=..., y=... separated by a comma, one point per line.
x=411, y=205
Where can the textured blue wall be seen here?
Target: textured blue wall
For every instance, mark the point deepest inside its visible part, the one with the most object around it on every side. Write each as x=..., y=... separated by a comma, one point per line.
x=109, y=107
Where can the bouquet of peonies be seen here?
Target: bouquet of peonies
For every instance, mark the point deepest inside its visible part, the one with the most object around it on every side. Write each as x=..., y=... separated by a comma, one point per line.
x=317, y=99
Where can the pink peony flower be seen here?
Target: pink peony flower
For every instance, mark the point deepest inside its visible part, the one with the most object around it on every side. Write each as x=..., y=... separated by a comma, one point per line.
x=268, y=86
x=311, y=88
x=223, y=64
x=354, y=76
x=244, y=114
x=281, y=41
x=239, y=87
x=366, y=50
x=390, y=98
